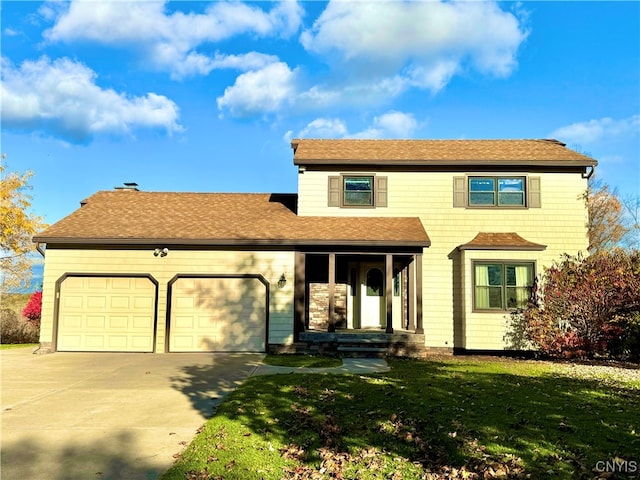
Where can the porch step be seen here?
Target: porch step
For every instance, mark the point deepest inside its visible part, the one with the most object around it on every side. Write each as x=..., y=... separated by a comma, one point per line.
x=361, y=337
x=350, y=339
x=353, y=351
x=363, y=343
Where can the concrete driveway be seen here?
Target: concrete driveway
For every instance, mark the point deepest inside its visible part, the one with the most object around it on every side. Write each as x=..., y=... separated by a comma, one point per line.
x=107, y=416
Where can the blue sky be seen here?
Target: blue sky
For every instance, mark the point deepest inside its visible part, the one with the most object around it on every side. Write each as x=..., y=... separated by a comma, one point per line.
x=201, y=96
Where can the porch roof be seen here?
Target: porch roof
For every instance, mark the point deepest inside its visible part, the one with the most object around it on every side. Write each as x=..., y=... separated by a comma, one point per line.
x=131, y=217
x=500, y=241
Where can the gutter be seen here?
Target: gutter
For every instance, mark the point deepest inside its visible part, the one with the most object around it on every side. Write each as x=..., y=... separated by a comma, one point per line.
x=146, y=242
x=591, y=172
x=39, y=249
x=339, y=162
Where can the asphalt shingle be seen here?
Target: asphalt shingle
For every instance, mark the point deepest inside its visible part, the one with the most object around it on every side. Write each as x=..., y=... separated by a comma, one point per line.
x=497, y=241
x=130, y=216
x=437, y=152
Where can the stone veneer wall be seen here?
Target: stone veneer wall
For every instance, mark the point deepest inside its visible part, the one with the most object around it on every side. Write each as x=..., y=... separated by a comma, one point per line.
x=319, y=305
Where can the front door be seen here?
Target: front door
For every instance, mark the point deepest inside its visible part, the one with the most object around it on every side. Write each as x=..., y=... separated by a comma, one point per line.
x=372, y=296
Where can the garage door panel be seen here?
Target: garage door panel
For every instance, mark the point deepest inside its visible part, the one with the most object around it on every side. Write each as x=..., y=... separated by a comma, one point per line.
x=142, y=323
x=182, y=323
x=117, y=322
x=95, y=321
x=184, y=302
x=94, y=283
x=95, y=341
x=210, y=322
x=71, y=321
x=120, y=303
x=68, y=341
x=71, y=301
x=99, y=314
x=141, y=342
x=123, y=284
x=118, y=342
x=142, y=302
x=181, y=342
x=226, y=314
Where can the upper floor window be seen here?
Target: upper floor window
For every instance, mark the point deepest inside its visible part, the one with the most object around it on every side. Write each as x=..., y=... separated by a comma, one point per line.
x=502, y=285
x=497, y=191
x=358, y=191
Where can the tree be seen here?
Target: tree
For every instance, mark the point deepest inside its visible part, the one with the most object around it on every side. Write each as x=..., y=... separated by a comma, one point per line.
x=586, y=306
x=17, y=226
x=606, y=227
x=33, y=310
x=631, y=219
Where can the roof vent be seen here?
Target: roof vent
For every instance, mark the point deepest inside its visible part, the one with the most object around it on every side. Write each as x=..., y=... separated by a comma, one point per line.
x=128, y=186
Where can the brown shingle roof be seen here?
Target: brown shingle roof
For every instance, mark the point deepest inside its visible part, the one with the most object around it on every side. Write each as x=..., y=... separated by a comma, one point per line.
x=500, y=241
x=437, y=152
x=133, y=217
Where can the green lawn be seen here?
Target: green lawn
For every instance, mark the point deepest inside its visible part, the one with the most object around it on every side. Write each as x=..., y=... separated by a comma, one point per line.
x=7, y=346
x=451, y=418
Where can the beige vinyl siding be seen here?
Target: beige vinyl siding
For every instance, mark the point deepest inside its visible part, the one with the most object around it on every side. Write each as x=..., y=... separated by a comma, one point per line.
x=271, y=265
x=560, y=223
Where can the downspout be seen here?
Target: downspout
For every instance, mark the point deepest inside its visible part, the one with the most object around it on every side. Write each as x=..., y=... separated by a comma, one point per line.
x=588, y=175
x=40, y=350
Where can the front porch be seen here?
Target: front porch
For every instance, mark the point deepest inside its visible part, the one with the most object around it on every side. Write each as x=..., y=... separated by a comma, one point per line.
x=351, y=303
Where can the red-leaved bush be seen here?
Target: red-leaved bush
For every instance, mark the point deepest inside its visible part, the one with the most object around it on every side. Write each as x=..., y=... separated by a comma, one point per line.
x=33, y=310
x=585, y=307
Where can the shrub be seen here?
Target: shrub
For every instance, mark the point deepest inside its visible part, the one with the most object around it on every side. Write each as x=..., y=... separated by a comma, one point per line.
x=33, y=310
x=16, y=330
x=586, y=306
x=631, y=340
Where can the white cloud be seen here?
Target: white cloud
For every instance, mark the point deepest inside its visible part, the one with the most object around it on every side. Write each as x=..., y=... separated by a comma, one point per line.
x=169, y=41
x=260, y=91
x=392, y=124
x=324, y=128
x=197, y=64
x=424, y=42
x=247, y=61
x=592, y=131
x=61, y=97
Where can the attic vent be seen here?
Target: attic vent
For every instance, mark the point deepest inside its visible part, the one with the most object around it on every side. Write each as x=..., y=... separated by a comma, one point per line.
x=128, y=186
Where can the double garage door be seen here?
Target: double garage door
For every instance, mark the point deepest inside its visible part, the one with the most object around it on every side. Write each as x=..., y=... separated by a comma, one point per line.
x=118, y=314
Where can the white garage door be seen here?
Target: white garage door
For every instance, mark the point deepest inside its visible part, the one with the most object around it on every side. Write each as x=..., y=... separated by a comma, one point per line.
x=218, y=315
x=106, y=314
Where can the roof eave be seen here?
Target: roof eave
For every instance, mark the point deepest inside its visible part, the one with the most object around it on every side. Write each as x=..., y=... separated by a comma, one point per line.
x=227, y=242
x=440, y=163
x=533, y=248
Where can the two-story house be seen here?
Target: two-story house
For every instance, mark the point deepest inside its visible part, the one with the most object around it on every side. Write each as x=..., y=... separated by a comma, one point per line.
x=429, y=242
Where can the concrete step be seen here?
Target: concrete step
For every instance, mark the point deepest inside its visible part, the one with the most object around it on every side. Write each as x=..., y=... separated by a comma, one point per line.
x=372, y=339
x=350, y=348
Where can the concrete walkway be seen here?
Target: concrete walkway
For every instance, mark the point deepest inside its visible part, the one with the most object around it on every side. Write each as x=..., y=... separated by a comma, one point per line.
x=349, y=365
